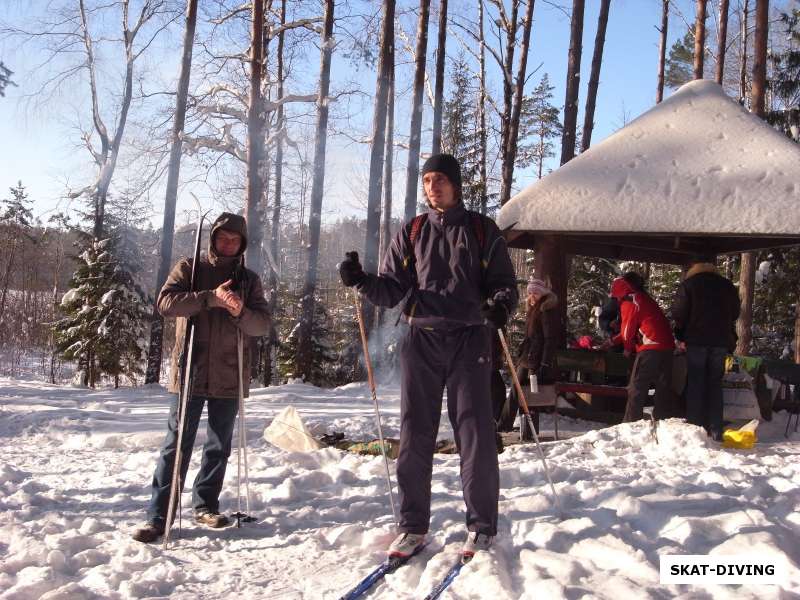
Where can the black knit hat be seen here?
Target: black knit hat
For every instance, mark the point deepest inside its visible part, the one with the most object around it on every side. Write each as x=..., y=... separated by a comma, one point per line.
x=447, y=164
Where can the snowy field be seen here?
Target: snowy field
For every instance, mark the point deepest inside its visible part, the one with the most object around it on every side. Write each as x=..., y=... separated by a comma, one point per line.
x=76, y=466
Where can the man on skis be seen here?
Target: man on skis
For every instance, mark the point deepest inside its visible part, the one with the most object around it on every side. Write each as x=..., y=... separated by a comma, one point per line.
x=453, y=267
x=229, y=299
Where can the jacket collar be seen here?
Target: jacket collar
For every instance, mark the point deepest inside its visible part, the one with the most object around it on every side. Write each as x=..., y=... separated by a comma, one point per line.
x=451, y=216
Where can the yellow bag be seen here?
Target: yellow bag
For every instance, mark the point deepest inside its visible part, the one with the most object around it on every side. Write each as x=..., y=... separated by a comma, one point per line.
x=744, y=437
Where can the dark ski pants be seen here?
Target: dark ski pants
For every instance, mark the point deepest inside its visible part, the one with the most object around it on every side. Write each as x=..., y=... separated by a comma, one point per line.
x=208, y=483
x=705, y=366
x=651, y=368
x=460, y=361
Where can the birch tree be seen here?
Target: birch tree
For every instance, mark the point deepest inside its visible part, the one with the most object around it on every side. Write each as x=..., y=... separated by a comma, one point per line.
x=153, y=372
x=304, y=357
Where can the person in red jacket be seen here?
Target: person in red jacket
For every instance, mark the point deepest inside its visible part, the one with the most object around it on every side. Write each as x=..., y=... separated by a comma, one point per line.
x=645, y=330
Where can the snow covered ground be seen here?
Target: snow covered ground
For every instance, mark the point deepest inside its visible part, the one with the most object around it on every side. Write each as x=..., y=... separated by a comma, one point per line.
x=76, y=465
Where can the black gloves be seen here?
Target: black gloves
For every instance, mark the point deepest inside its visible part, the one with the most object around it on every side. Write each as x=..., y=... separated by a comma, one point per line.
x=496, y=313
x=350, y=270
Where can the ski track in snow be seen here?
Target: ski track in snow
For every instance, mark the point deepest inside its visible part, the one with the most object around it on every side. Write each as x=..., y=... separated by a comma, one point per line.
x=74, y=482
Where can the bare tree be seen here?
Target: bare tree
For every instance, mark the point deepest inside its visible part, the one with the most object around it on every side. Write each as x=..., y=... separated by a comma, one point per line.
x=573, y=82
x=482, y=110
x=747, y=274
x=388, y=169
x=510, y=150
x=173, y=176
x=382, y=85
x=662, y=49
x=743, y=34
x=275, y=229
x=699, y=38
x=594, y=77
x=438, y=102
x=415, y=133
x=255, y=140
x=105, y=157
x=304, y=346
x=722, y=40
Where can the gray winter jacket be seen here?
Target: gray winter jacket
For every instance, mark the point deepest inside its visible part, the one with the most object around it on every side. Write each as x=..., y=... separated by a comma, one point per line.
x=442, y=274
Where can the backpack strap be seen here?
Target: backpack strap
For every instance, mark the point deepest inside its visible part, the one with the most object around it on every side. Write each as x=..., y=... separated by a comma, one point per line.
x=416, y=225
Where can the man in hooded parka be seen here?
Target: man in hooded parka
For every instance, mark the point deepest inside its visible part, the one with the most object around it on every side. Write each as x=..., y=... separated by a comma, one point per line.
x=454, y=283
x=228, y=299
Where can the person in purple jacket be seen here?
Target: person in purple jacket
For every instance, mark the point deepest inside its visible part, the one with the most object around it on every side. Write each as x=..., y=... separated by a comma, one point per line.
x=452, y=267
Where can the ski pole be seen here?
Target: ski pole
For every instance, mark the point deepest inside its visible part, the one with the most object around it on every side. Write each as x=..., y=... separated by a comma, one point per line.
x=187, y=381
x=524, y=406
x=371, y=380
x=241, y=445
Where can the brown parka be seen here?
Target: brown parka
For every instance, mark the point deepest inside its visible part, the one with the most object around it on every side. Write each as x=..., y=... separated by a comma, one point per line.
x=215, y=348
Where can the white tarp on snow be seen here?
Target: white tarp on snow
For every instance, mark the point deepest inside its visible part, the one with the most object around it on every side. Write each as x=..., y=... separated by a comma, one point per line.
x=696, y=163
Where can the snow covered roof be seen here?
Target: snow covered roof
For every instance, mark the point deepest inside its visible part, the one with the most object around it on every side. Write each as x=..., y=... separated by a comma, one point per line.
x=697, y=164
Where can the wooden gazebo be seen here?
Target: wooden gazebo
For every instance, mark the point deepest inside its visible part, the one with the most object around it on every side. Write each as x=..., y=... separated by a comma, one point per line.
x=695, y=175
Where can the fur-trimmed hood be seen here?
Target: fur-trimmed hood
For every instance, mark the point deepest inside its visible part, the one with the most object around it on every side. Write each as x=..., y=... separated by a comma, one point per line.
x=703, y=267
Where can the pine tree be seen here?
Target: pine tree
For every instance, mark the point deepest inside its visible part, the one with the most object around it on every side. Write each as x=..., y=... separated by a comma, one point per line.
x=321, y=354
x=16, y=219
x=460, y=135
x=105, y=317
x=539, y=126
x=680, y=62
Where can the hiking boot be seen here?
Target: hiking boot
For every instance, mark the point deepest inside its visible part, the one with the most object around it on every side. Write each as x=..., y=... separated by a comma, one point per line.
x=211, y=519
x=476, y=542
x=149, y=532
x=406, y=544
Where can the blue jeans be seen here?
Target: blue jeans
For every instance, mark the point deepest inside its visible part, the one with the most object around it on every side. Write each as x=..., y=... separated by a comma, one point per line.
x=208, y=483
x=705, y=367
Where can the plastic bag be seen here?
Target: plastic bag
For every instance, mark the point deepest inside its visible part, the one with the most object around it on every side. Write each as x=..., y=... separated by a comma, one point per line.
x=744, y=437
x=288, y=432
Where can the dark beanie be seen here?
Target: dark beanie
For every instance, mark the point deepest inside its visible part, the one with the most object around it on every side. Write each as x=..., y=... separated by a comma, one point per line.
x=447, y=164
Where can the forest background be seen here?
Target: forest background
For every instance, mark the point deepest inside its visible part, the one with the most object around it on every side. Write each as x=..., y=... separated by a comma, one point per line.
x=312, y=118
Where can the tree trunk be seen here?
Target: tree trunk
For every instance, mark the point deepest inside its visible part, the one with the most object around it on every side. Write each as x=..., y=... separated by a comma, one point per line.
x=155, y=350
x=743, y=62
x=744, y=327
x=662, y=50
x=255, y=141
x=723, y=40
x=438, y=98
x=594, y=76
x=699, y=39
x=797, y=331
x=276, y=212
x=482, y=112
x=304, y=346
x=573, y=83
x=388, y=169
x=386, y=59
x=510, y=153
x=412, y=169
x=508, y=79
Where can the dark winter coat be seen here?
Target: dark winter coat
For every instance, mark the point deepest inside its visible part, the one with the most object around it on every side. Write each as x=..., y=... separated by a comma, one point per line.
x=215, y=347
x=443, y=273
x=537, y=350
x=705, y=309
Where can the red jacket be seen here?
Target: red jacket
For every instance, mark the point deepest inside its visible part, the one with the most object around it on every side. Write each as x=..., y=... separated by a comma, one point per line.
x=643, y=324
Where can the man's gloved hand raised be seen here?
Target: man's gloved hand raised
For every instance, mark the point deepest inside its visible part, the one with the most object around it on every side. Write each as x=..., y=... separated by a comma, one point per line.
x=495, y=312
x=350, y=270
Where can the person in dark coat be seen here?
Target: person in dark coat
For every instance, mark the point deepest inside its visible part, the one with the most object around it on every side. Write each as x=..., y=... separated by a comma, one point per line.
x=537, y=351
x=645, y=330
x=454, y=285
x=228, y=299
x=705, y=310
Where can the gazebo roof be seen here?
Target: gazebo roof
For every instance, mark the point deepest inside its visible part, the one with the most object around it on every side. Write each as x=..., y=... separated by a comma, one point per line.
x=696, y=174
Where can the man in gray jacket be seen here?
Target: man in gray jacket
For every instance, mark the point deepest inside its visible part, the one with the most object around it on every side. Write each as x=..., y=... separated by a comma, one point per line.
x=453, y=267
x=229, y=299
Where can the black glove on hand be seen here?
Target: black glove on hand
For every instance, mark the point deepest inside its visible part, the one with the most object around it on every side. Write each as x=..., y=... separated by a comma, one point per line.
x=350, y=270
x=496, y=313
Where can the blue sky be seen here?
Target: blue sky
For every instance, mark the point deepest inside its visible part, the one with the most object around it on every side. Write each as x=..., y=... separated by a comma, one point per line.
x=40, y=149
